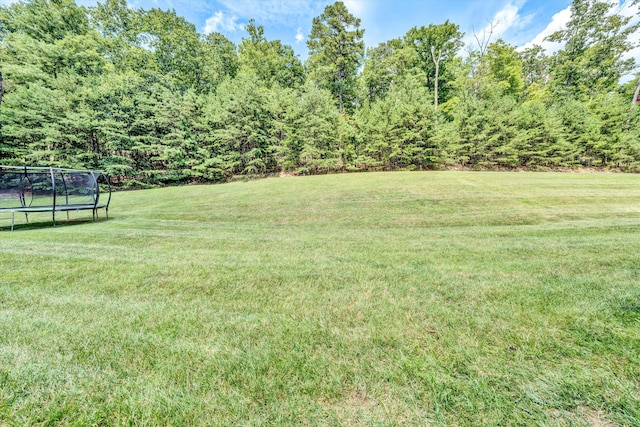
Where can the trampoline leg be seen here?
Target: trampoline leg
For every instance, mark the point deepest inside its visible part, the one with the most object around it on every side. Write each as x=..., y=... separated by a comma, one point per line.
x=67, y=215
x=12, y=219
x=26, y=216
x=53, y=213
x=106, y=211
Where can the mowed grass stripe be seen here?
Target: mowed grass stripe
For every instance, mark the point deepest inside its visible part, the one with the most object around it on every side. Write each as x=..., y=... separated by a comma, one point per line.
x=442, y=298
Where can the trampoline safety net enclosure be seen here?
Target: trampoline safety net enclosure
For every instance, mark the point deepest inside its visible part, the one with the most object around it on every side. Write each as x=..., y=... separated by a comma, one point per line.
x=27, y=190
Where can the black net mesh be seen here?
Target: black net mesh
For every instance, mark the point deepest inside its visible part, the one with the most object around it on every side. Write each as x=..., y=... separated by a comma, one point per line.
x=11, y=189
x=36, y=189
x=41, y=189
x=45, y=187
x=77, y=188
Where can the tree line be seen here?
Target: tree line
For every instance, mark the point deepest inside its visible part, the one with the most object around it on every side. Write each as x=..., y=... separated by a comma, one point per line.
x=141, y=95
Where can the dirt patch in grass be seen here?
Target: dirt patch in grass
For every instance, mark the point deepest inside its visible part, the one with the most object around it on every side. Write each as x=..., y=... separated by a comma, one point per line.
x=594, y=418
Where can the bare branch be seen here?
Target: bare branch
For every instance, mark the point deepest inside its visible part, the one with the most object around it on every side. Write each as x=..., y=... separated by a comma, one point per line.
x=485, y=40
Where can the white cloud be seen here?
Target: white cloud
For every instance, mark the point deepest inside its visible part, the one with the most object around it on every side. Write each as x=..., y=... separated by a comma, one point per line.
x=634, y=53
x=221, y=22
x=558, y=22
x=299, y=35
x=504, y=20
x=630, y=10
x=356, y=7
x=7, y=2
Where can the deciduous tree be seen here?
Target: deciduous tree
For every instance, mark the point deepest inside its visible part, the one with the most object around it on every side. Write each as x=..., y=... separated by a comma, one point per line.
x=272, y=61
x=592, y=60
x=436, y=46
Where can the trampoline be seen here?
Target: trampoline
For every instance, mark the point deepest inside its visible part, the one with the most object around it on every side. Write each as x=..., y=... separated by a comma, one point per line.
x=25, y=189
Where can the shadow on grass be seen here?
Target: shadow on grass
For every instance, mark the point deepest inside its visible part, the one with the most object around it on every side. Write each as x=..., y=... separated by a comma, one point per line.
x=628, y=311
x=36, y=225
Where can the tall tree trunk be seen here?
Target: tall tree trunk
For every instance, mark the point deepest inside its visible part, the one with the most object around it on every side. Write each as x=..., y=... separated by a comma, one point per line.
x=1, y=90
x=437, y=63
x=340, y=80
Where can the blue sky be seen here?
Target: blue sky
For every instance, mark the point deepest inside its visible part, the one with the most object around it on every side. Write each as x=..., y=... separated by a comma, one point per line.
x=518, y=22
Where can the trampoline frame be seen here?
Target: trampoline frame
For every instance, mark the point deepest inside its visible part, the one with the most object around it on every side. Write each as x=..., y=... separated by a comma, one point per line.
x=52, y=173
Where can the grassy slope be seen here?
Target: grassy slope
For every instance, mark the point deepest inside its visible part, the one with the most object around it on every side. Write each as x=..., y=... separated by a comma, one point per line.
x=389, y=299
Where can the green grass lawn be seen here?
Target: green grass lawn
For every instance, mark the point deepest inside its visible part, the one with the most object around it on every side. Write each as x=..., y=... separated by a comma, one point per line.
x=439, y=298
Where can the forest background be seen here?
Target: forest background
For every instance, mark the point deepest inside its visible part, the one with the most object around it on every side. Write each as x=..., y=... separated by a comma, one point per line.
x=141, y=95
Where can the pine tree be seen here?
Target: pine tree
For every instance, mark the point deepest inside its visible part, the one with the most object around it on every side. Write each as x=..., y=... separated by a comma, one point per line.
x=336, y=50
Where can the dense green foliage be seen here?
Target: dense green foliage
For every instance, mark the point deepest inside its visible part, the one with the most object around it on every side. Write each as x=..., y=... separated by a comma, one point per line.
x=143, y=96
x=378, y=299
